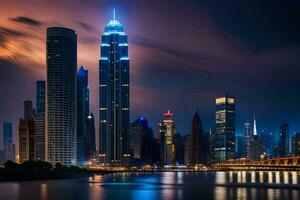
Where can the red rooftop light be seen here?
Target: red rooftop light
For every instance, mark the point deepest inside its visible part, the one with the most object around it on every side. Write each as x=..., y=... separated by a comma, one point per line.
x=168, y=114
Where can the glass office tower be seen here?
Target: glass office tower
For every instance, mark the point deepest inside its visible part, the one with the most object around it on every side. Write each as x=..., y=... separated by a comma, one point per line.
x=224, y=137
x=114, y=96
x=61, y=96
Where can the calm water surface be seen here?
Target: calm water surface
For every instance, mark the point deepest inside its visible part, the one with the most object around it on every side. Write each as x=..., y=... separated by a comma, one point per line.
x=167, y=185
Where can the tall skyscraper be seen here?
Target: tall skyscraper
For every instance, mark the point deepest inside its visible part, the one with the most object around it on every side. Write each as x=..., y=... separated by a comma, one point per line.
x=224, y=136
x=61, y=96
x=26, y=134
x=247, y=138
x=284, y=140
x=82, y=114
x=114, y=95
x=39, y=120
x=167, y=145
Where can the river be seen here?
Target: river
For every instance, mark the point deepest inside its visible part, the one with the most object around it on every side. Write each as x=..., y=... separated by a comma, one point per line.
x=165, y=185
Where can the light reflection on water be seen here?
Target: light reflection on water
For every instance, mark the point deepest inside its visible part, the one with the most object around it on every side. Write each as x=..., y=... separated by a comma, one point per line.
x=167, y=186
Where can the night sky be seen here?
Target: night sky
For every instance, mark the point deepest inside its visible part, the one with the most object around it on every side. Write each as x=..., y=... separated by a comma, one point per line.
x=183, y=54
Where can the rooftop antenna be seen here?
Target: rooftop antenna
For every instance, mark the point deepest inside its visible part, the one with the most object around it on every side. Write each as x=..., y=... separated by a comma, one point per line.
x=114, y=14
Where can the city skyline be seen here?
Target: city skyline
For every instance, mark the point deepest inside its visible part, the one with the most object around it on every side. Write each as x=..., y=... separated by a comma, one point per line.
x=174, y=58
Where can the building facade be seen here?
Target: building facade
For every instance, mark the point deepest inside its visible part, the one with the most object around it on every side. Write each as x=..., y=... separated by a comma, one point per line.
x=39, y=120
x=90, y=139
x=83, y=112
x=284, y=140
x=297, y=144
x=61, y=96
x=141, y=142
x=8, y=145
x=114, y=111
x=247, y=138
x=167, y=144
x=224, y=135
x=27, y=134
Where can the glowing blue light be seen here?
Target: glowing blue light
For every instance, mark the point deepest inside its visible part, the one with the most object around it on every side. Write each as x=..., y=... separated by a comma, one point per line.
x=104, y=58
x=109, y=32
x=123, y=44
x=105, y=45
x=124, y=58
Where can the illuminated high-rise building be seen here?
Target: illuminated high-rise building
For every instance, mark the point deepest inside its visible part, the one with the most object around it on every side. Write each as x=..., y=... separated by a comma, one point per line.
x=61, y=96
x=114, y=96
x=224, y=136
x=166, y=135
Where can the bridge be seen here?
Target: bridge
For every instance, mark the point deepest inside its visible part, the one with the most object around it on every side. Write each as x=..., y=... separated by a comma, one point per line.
x=282, y=164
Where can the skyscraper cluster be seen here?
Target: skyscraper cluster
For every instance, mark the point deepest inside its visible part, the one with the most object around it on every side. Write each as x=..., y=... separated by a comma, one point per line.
x=61, y=128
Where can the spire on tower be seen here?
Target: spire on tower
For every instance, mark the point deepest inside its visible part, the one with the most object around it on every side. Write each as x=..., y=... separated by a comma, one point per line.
x=114, y=14
x=254, y=126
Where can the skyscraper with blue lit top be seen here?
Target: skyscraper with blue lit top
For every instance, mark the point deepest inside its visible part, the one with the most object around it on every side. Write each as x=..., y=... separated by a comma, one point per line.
x=114, y=95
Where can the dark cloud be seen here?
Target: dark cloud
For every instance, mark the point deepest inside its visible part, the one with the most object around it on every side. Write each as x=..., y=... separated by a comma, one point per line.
x=192, y=59
x=26, y=20
x=85, y=26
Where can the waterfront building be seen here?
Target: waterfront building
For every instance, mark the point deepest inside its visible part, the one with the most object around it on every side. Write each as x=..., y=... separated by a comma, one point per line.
x=166, y=133
x=114, y=97
x=224, y=135
x=61, y=112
